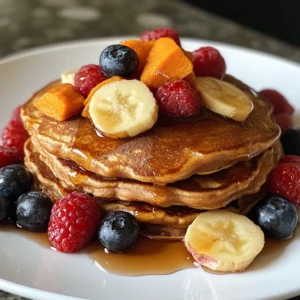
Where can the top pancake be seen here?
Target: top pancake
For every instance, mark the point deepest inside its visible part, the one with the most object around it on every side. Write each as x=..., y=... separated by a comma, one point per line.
x=172, y=150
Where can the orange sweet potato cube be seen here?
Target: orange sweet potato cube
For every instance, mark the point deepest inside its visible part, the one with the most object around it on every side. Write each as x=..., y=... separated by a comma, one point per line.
x=166, y=62
x=61, y=102
x=142, y=49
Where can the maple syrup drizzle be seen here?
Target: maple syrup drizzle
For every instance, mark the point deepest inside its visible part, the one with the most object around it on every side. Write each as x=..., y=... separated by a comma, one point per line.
x=148, y=257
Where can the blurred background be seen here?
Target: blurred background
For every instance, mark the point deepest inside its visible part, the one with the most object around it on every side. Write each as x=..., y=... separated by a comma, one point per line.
x=264, y=25
x=279, y=19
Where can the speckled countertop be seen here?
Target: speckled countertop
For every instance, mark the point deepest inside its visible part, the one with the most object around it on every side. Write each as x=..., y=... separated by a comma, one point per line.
x=30, y=23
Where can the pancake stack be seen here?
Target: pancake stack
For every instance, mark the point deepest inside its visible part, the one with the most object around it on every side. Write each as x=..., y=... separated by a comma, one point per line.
x=165, y=176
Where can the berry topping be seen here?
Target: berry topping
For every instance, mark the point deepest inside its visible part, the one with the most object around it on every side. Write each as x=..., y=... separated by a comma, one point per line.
x=160, y=33
x=14, y=136
x=290, y=141
x=5, y=205
x=33, y=211
x=178, y=99
x=119, y=231
x=14, y=181
x=87, y=78
x=293, y=159
x=285, y=181
x=284, y=121
x=73, y=222
x=277, y=217
x=208, y=61
x=280, y=103
x=8, y=156
x=118, y=60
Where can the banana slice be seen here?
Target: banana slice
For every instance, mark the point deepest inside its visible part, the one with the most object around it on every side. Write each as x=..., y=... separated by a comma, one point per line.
x=123, y=109
x=224, y=241
x=224, y=98
x=68, y=76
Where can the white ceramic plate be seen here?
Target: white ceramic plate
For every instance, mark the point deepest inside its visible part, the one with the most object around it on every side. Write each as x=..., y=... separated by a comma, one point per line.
x=30, y=270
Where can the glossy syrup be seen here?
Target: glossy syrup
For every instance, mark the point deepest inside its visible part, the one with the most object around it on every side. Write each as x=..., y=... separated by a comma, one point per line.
x=150, y=257
x=146, y=258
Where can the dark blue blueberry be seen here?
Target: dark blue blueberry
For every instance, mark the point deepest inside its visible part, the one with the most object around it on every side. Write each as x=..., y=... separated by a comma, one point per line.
x=33, y=211
x=291, y=142
x=14, y=181
x=277, y=217
x=118, y=60
x=119, y=231
x=5, y=205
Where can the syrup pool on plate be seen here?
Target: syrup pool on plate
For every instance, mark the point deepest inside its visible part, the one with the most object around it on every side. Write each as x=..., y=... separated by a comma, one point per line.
x=148, y=257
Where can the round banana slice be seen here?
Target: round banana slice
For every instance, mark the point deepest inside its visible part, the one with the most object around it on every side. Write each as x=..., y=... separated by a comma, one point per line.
x=224, y=241
x=69, y=76
x=123, y=109
x=224, y=98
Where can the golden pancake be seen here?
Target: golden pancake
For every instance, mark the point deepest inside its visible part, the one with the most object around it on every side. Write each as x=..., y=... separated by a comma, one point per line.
x=156, y=221
x=200, y=191
x=172, y=150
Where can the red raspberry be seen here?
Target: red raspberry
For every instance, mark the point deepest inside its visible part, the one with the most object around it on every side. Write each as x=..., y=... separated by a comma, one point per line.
x=160, y=33
x=284, y=121
x=73, y=222
x=285, y=181
x=7, y=156
x=208, y=61
x=293, y=159
x=87, y=78
x=178, y=99
x=280, y=103
x=14, y=135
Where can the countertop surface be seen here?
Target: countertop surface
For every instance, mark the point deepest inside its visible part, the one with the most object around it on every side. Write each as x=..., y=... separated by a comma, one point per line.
x=30, y=23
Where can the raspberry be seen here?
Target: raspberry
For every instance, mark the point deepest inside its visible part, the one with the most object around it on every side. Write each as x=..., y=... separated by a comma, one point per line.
x=178, y=99
x=73, y=222
x=7, y=156
x=208, y=61
x=284, y=121
x=279, y=102
x=160, y=33
x=293, y=159
x=87, y=78
x=285, y=181
x=14, y=136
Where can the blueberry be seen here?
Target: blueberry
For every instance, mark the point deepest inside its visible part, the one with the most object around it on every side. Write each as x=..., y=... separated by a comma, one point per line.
x=277, y=217
x=33, y=211
x=291, y=142
x=119, y=231
x=14, y=181
x=5, y=205
x=118, y=60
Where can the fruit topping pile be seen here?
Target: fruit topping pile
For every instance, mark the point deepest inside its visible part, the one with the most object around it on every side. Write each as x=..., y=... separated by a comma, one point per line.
x=137, y=79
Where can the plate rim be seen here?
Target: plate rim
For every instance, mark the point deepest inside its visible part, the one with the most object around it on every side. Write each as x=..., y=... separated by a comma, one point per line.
x=83, y=42
x=34, y=293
